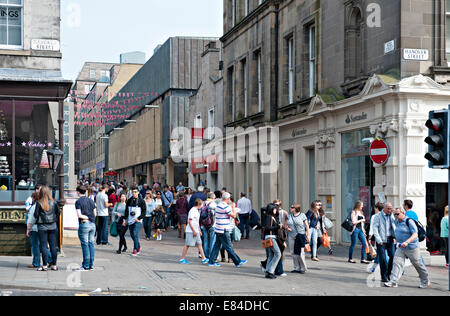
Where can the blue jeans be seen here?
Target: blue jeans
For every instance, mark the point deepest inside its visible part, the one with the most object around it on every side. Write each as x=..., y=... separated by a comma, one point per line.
x=209, y=239
x=358, y=234
x=386, y=254
x=168, y=217
x=48, y=237
x=86, y=233
x=36, y=250
x=148, y=227
x=274, y=256
x=134, y=232
x=245, y=225
x=314, y=237
x=225, y=240
x=102, y=232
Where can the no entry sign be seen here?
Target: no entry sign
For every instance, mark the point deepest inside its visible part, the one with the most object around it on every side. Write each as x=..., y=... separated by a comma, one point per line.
x=379, y=152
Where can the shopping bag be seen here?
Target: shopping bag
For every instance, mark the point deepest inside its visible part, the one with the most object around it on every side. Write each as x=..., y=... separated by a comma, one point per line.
x=113, y=229
x=372, y=251
x=236, y=235
x=326, y=241
x=308, y=248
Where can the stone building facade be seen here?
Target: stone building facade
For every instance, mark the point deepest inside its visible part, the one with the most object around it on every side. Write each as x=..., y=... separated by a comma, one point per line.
x=206, y=117
x=328, y=75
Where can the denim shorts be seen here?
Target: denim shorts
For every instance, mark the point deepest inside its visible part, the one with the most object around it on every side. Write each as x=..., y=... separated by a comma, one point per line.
x=192, y=241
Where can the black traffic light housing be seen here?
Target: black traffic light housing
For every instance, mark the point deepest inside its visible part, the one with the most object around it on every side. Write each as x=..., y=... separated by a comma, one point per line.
x=438, y=140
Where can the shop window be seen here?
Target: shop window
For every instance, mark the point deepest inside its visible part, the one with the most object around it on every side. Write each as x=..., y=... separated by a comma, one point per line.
x=11, y=23
x=5, y=151
x=23, y=150
x=357, y=175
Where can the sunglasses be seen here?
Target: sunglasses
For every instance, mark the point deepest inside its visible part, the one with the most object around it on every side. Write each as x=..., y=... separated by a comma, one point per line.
x=397, y=215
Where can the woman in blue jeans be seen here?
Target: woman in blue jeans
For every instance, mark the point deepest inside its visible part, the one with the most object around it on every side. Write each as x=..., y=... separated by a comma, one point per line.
x=274, y=252
x=135, y=213
x=358, y=220
x=313, y=217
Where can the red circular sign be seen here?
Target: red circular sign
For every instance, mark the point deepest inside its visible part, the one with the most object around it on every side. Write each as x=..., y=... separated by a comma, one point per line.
x=379, y=152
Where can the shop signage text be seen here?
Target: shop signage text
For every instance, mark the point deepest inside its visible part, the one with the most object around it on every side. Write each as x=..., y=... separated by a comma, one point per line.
x=12, y=216
x=416, y=54
x=356, y=118
x=299, y=132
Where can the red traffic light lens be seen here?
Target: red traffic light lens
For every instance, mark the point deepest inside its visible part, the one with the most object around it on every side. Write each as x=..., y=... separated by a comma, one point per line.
x=435, y=124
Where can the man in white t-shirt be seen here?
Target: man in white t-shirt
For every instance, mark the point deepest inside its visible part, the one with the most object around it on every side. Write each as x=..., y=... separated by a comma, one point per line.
x=193, y=233
x=102, y=203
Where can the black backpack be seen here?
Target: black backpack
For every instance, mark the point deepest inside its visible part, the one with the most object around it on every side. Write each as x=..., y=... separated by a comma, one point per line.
x=421, y=230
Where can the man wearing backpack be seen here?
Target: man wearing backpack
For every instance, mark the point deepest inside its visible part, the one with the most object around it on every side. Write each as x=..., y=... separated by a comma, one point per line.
x=207, y=222
x=407, y=237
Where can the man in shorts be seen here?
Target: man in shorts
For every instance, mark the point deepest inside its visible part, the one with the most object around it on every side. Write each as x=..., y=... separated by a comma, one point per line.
x=193, y=233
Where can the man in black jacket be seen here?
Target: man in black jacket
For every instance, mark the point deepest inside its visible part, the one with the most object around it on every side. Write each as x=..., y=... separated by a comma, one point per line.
x=135, y=213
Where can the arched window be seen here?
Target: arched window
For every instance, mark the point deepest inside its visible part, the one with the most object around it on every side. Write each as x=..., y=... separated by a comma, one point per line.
x=353, y=44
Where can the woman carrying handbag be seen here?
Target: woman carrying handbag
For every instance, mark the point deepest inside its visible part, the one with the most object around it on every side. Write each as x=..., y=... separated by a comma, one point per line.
x=270, y=243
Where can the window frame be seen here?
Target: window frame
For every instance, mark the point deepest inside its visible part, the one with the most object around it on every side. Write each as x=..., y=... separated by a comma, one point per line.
x=291, y=69
x=312, y=60
x=14, y=47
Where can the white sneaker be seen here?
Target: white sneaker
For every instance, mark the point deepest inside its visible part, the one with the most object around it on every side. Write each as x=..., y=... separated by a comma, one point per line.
x=425, y=286
x=390, y=284
x=283, y=275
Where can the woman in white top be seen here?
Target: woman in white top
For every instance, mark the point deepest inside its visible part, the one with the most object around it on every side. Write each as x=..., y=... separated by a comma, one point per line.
x=358, y=220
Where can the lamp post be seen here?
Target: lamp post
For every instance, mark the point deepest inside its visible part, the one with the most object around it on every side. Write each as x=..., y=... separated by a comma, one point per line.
x=54, y=157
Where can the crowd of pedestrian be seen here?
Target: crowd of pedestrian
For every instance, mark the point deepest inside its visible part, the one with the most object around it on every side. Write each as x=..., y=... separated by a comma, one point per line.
x=212, y=221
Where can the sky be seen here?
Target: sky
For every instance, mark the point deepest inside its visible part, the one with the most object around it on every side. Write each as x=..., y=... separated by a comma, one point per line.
x=100, y=30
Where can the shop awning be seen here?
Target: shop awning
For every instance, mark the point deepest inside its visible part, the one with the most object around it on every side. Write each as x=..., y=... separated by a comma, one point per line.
x=27, y=89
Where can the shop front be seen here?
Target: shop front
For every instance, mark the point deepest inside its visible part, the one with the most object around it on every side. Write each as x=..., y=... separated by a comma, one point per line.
x=31, y=114
x=324, y=153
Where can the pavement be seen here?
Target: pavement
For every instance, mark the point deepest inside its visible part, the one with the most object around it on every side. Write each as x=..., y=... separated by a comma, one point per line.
x=156, y=272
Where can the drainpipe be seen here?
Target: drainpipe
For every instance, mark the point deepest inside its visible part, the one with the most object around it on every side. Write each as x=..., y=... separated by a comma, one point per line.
x=274, y=113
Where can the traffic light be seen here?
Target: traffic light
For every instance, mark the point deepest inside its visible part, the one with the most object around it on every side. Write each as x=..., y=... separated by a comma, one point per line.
x=438, y=140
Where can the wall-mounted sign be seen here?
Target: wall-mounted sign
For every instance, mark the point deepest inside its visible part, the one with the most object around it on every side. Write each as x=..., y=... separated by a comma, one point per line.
x=389, y=47
x=299, y=132
x=356, y=118
x=12, y=216
x=44, y=44
x=416, y=54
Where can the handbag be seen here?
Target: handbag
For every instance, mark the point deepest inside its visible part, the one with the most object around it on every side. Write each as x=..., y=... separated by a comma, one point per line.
x=267, y=243
x=113, y=229
x=372, y=251
x=328, y=223
x=348, y=224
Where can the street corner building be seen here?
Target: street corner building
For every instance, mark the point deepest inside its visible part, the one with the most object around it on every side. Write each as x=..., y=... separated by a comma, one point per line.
x=32, y=118
x=333, y=76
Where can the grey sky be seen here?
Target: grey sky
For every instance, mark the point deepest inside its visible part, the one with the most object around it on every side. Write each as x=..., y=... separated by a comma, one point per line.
x=100, y=30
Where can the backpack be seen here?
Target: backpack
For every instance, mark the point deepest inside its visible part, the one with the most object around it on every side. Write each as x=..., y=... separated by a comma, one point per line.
x=421, y=231
x=206, y=216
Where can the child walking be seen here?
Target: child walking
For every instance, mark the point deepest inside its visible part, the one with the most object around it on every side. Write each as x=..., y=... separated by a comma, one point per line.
x=159, y=217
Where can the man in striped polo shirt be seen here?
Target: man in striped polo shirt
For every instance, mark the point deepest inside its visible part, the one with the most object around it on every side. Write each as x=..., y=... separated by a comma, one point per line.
x=225, y=212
